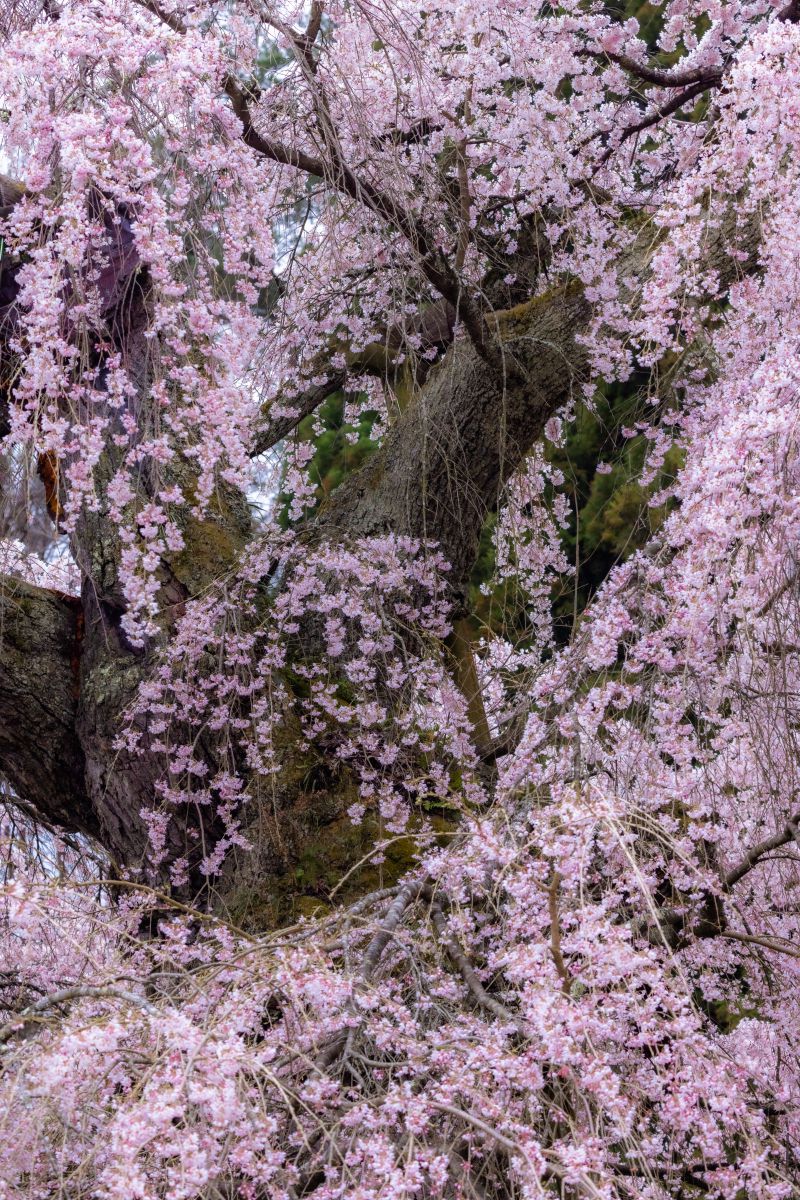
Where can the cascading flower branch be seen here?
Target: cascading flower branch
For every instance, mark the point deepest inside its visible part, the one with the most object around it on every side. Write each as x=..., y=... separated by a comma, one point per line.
x=586, y=985
x=329, y=651
x=113, y=171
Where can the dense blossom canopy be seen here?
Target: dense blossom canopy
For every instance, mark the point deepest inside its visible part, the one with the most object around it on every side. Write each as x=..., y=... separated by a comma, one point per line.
x=582, y=982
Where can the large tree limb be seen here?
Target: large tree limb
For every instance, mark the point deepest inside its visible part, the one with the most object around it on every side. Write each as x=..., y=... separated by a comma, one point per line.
x=41, y=635
x=443, y=465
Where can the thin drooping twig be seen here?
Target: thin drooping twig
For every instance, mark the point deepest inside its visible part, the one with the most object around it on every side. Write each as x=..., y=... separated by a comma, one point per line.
x=585, y=1185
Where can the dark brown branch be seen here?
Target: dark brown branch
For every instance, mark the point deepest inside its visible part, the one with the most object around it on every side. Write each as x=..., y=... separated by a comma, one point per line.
x=407, y=895
x=665, y=110
x=296, y=409
x=304, y=42
x=672, y=922
x=174, y=22
x=434, y=265
x=35, y=1012
x=268, y=147
x=789, y=833
x=466, y=971
x=314, y=23
x=708, y=76
x=779, y=945
x=433, y=326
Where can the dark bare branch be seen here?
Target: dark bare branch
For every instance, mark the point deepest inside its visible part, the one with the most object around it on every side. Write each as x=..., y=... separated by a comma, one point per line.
x=276, y=428
x=789, y=833
x=431, y=328
x=673, y=105
x=709, y=76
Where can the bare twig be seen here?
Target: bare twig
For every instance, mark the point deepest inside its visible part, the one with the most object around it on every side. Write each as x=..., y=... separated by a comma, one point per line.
x=555, y=934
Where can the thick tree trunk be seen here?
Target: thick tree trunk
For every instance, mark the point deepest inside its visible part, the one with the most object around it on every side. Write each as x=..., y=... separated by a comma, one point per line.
x=442, y=467
x=41, y=756
x=68, y=674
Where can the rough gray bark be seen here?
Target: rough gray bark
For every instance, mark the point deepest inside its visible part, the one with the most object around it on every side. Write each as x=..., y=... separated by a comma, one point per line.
x=444, y=463
x=40, y=751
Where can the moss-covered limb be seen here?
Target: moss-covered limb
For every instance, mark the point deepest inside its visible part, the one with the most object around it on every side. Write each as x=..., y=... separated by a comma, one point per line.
x=519, y=321
x=41, y=635
x=308, y=856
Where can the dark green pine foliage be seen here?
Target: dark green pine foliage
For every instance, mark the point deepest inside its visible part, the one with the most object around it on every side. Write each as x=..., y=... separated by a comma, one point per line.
x=610, y=514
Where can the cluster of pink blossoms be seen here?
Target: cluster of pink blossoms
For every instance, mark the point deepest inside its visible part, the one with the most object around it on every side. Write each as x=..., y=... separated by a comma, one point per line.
x=126, y=127
x=330, y=650
x=593, y=990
